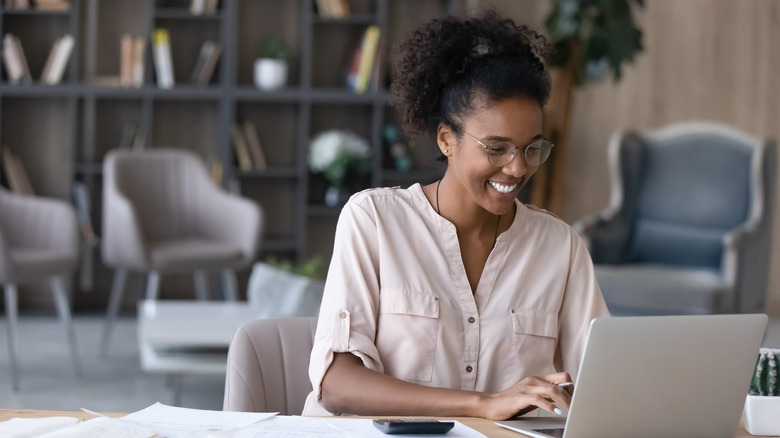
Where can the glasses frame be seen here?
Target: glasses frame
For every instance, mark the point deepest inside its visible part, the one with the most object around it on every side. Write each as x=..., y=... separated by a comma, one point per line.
x=524, y=149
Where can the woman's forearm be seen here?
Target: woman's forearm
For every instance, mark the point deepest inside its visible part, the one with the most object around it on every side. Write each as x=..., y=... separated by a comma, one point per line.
x=350, y=388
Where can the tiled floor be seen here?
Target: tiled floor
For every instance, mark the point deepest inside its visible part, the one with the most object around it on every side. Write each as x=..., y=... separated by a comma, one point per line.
x=114, y=385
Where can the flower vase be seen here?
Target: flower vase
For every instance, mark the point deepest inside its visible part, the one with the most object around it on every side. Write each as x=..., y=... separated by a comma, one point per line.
x=335, y=196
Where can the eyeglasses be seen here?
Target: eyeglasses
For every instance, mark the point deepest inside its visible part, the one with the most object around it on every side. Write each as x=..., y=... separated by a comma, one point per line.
x=502, y=153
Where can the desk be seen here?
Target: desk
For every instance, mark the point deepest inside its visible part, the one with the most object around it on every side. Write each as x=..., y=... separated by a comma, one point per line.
x=486, y=427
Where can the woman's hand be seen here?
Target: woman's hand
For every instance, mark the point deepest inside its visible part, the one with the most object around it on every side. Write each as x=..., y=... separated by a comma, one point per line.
x=528, y=394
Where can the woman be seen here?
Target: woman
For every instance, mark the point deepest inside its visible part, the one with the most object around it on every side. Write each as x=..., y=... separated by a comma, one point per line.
x=455, y=299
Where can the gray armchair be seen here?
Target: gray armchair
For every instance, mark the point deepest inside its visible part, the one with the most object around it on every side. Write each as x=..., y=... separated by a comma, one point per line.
x=268, y=366
x=162, y=213
x=688, y=227
x=38, y=241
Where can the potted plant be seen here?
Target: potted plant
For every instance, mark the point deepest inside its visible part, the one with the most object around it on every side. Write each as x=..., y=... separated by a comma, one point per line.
x=271, y=64
x=280, y=289
x=762, y=406
x=338, y=155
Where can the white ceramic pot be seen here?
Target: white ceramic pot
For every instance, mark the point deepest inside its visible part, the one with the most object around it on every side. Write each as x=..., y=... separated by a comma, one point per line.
x=270, y=74
x=762, y=415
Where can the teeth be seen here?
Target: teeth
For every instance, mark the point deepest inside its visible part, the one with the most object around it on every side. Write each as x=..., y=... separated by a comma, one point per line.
x=502, y=188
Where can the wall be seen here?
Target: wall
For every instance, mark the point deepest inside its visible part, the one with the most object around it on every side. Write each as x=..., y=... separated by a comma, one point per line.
x=703, y=60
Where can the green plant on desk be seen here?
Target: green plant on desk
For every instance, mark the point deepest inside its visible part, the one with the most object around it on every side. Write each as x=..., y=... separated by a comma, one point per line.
x=764, y=380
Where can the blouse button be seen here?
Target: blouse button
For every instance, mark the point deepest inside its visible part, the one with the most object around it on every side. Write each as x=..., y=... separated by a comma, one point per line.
x=472, y=320
x=343, y=315
x=469, y=369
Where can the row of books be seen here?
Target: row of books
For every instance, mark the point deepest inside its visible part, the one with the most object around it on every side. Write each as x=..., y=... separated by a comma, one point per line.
x=41, y=5
x=365, y=67
x=131, y=61
x=246, y=143
x=333, y=8
x=16, y=66
x=163, y=63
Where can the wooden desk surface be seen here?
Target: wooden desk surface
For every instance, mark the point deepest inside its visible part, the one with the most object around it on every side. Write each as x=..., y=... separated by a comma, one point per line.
x=486, y=427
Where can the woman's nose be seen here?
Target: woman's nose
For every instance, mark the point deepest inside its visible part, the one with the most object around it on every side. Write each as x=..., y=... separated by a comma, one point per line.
x=516, y=167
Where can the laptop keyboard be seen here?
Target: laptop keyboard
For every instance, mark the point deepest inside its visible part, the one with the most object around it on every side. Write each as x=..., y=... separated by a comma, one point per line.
x=557, y=432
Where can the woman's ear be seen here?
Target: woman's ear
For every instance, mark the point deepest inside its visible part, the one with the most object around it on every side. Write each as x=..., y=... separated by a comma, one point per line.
x=446, y=139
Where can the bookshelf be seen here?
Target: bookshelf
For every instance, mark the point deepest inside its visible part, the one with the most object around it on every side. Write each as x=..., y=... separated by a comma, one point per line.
x=85, y=118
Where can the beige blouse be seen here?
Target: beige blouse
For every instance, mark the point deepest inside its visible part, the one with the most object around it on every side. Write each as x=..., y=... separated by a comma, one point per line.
x=397, y=296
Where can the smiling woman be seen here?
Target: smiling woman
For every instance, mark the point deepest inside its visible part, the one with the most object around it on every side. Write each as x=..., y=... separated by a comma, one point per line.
x=454, y=299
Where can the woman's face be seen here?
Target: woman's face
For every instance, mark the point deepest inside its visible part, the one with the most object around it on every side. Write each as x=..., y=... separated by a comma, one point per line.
x=516, y=120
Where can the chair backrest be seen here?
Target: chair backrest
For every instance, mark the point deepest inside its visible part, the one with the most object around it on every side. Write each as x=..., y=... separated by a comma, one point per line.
x=166, y=186
x=268, y=364
x=685, y=187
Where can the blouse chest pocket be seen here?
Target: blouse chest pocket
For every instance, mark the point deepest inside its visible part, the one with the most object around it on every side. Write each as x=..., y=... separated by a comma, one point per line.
x=534, y=336
x=406, y=334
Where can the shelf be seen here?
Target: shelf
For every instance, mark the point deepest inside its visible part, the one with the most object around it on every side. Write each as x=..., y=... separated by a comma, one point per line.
x=250, y=93
x=88, y=168
x=344, y=96
x=323, y=210
x=355, y=19
x=278, y=244
x=184, y=14
x=40, y=90
x=271, y=172
x=36, y=12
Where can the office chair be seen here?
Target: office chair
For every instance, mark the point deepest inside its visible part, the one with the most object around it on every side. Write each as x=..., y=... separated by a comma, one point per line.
x=688, y=226
x=268, y=366
x=38, y=241
x=163, y=213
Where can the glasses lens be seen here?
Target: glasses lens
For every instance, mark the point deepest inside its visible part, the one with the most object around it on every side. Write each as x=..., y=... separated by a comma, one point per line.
x=537, y=152
x=501, y=153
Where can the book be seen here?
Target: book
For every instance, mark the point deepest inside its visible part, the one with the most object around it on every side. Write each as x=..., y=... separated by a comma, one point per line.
x=126, y=61
x=52, y=5
x=211, y=7
x=139, y=137
x=81, y=200
x=26, y=77
x=254, y=145
x=197, y=6
x=139, y=61
x=16, y=174
x=60, y=61
x=50, y=60
x=127, y=137
x=368, y=51
x=163, y=64
x=207, y=61
x=12, y=60
x=242, y=152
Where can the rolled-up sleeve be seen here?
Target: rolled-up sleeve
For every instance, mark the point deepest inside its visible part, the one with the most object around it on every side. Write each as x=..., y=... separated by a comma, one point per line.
x=582, y=301
x=348, y=314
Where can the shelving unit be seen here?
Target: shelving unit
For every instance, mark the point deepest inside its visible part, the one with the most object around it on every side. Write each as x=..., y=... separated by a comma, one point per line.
x=84, y=119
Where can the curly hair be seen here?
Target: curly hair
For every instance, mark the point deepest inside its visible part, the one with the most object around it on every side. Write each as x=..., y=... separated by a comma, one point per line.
x=449, y=68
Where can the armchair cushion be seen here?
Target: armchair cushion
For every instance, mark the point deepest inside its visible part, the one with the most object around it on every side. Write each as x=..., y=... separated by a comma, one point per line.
x=30, y=264
x=190, y=253
x=661, y=289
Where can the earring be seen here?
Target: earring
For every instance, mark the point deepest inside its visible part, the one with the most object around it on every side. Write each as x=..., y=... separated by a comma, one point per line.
x=445, y=151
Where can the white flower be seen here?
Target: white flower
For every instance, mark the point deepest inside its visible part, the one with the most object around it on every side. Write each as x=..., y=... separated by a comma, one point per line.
x=337, y=153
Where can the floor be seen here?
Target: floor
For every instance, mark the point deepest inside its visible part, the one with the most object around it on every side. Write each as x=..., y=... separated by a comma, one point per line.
x=116, y=384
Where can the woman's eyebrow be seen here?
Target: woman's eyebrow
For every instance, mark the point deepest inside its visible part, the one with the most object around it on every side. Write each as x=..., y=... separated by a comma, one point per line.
x=496, y=138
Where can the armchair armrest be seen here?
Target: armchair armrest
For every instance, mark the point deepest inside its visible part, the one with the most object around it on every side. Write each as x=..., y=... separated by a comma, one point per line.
x=122, y=243
x=606, y=236
x=233, y=219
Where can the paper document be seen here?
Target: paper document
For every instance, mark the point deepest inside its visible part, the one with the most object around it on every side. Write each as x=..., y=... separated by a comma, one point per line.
x=173, y=422
x=330, y=427
x=24, y=427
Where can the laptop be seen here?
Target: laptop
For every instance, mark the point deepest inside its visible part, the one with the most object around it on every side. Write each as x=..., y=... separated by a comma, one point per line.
x=658, y=376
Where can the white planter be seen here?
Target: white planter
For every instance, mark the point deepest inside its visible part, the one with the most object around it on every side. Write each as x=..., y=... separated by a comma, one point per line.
x=273, y=293
x=762, y=415
x=270, y=74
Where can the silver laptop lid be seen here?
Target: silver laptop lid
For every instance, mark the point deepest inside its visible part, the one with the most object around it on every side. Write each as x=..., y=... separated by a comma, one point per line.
x=681, y=376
